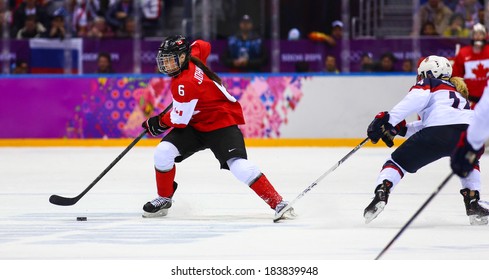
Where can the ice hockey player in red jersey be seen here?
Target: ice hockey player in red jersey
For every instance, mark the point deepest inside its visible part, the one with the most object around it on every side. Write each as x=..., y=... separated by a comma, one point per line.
x=471, y=144
x=204, y=115
x=441, y=102
x=472, y=63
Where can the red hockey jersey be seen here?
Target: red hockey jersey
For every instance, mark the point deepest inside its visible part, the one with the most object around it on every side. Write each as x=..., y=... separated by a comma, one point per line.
x=474, y=68
x=200, y=102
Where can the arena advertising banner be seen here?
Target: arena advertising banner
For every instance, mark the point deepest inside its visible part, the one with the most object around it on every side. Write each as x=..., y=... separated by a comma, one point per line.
x=291, y=53
x=115, y=107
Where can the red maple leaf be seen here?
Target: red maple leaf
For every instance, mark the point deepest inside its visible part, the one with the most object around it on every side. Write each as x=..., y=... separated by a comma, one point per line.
x=480, y=71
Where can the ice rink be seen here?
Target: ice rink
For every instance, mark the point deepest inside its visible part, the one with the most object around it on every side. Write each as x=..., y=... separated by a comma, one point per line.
x=216, y=217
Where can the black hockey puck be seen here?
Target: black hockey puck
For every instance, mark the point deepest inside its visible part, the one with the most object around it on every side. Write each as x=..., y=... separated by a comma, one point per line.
x=81, y=218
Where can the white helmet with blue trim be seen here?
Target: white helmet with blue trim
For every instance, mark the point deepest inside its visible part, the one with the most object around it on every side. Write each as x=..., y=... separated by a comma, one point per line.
x=436, y=67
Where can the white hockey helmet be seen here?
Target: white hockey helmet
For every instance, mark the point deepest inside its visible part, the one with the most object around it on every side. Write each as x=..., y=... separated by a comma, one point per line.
x=436, y=67
x=478, y=27
x=478, y=35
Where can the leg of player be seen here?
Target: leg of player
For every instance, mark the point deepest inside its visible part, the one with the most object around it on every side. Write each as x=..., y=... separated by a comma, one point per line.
x=164, y=160
x=267, y=192
x=390, y=175
x=478, y=215
x=248, y=173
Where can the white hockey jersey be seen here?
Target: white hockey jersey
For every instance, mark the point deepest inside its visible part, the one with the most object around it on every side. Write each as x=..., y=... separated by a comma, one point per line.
x=437, y=103
x=478, y=131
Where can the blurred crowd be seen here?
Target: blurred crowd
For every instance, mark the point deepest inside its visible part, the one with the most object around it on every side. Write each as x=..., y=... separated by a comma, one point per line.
x=24, y=19
x=246, y=51
x=448, y=18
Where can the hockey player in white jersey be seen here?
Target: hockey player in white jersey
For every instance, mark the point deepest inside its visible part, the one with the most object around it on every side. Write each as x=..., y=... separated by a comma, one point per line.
x=441, y=102
x=471, y=144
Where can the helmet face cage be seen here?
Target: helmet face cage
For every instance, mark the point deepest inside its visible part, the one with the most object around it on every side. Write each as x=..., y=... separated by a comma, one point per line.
x=435, y=67
x=168, y=58
x=168, y=64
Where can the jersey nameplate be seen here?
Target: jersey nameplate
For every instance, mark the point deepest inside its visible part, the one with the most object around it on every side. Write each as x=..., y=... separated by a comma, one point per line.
x=199, y=75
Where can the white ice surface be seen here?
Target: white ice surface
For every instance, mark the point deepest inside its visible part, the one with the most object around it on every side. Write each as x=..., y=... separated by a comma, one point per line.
x=216, y=217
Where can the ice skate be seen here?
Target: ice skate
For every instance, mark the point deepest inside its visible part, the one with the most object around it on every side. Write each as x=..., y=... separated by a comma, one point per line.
x=478, y=215
x=378, y=203
x=289, y=214
x=158, y=207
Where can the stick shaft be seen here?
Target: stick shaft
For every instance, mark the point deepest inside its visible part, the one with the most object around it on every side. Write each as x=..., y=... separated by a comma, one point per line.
x=113, y=163
x=415, y=215
x=68, y=201
x=304, y=192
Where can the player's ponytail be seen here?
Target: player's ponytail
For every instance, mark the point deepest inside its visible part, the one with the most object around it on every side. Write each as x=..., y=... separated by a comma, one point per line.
x=460, y=86
x=213, y=76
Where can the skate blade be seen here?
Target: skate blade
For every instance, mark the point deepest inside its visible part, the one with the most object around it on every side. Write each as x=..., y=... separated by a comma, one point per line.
x=160, y=213
x=287, y=215
x=478, y=220
x=371, y=215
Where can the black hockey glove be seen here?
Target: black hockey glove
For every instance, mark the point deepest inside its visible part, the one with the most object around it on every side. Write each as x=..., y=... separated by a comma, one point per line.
x=463, y=158
x=380, y=128
x=154, y=126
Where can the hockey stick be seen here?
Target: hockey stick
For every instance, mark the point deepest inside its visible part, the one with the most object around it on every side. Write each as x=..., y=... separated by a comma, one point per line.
x=279, y=215
x=68, y=201
x=415, y=215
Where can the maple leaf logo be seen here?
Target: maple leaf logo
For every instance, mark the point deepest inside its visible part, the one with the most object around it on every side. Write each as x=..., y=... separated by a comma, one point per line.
x=480, y=71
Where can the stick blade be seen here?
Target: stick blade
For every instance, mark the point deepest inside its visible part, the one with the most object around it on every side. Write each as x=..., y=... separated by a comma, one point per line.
x=62, y=201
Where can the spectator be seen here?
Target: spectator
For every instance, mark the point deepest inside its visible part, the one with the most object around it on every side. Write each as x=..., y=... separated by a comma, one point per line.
x=434, y=11
x=101, y=7
x=407, y=66
x=99, y=29
x=26, y=8
x=469, y=9
x=336, y=32
x=150, y=15
x=13, y=4
x=21, y=67
x=294, y=34
x=482, y=16
x=104, y=63
x=367, y=62
x=31, y=29
x=118, y=13
x=331, y=40
x=472, y=63
x=83, y=15
x=50, y=6
x=129, y=28
x=457, y=27
x=386, y=63
x=57, y=28
x=330, y=65
x=245, y=51
x=452, y=4
x=5, y=16
x=428, y=29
